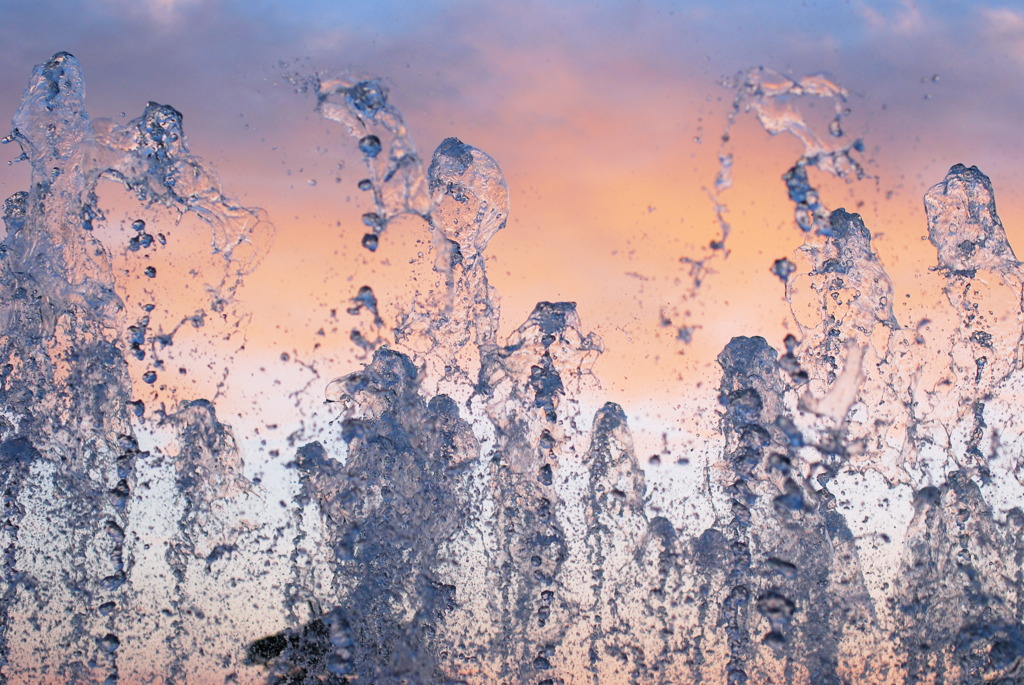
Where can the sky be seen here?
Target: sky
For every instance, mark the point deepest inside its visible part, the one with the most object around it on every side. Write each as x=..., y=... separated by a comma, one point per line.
x=606, y=120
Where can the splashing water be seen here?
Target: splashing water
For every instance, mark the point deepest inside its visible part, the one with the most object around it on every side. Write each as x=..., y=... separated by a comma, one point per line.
x=71, y=458
x=396, y=176
x=463, y=521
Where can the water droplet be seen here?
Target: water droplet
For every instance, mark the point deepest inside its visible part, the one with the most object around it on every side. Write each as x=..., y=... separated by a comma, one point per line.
x=374, y=221
x=783, y=268
x=370, y=242
x=368, y=97
x=137, y=407
x=115, y=531
x=370, y=145
x=109, y=643
x=113, y=582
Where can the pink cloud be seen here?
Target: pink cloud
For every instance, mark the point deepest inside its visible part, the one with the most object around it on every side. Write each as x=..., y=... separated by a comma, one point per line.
x=902, y=17
x=1006, y=27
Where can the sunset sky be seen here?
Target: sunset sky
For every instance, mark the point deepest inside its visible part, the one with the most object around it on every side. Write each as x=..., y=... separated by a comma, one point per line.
x=606, y=119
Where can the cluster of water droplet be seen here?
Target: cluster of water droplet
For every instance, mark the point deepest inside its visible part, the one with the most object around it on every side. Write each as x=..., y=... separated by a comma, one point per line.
x=464, y=521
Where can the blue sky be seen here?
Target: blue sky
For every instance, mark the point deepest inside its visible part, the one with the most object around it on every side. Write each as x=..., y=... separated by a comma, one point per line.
x=201, y=55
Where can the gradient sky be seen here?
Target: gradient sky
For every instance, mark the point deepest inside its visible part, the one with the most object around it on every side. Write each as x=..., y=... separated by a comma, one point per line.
x=606, y=120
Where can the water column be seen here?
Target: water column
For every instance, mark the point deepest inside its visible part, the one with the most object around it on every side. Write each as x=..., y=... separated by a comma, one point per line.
x=65, y=388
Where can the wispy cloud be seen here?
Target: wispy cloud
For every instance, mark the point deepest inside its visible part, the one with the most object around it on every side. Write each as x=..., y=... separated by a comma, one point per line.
x=160, y=14
x=1005, y=27
x=901, y=17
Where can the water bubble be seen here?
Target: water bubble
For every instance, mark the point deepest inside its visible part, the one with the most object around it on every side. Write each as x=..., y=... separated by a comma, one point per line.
x=370, y=145
x=470, y=195
x=370, y=242
x=784, y=568
x=113, y=582
x=109, y=643
x=374, y=221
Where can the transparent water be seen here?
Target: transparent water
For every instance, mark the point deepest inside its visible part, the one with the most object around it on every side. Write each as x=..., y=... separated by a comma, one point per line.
x=462, y=520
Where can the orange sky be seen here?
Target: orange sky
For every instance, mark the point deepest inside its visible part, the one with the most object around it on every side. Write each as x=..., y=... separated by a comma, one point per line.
x=606, y=122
